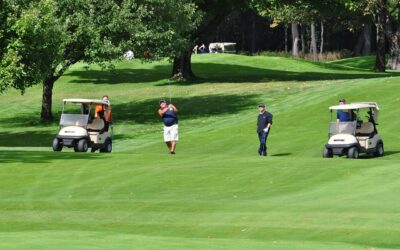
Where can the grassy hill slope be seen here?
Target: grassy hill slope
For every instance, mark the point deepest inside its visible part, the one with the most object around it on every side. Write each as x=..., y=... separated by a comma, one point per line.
x=216, y=193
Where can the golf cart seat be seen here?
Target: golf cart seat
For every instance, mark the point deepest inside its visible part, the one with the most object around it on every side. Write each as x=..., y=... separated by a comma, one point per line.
x=366, y=130
x=96, y=125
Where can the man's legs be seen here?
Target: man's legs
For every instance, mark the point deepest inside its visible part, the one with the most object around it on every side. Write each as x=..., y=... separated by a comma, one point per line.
x=263, y=143
x=173, y=146
x=171, y=137
x=174, y=138
x=167, y=137
x=260, y=148
x=168, y=145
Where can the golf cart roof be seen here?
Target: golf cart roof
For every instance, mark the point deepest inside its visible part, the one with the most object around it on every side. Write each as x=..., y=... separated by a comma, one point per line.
x=222, y=44
x=87, y=101
x=356, y=105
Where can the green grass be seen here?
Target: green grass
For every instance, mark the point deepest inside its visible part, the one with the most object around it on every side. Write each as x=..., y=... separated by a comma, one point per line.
x=216, y=193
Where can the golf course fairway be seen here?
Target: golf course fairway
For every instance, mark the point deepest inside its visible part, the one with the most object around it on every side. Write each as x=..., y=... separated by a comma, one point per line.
x=216, y=192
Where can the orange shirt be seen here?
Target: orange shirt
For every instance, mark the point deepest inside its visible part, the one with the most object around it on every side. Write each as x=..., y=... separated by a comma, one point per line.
x=107, y=112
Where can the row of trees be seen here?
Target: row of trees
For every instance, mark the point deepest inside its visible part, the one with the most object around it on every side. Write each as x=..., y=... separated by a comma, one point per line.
x=346, y=14
x=40, y=40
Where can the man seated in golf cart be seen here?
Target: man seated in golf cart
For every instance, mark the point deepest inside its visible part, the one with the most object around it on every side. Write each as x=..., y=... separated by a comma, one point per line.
x=345, y=115
x=79, y=129
x=359, y=135
x=103, y=112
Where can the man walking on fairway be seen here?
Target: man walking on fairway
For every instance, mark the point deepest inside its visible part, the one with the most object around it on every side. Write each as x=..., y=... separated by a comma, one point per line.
x=170, y=119
x=264, y=123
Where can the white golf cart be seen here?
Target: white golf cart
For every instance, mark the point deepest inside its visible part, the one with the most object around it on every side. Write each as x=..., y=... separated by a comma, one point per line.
x=356, y=136
x=80, y=129
x=222, y=48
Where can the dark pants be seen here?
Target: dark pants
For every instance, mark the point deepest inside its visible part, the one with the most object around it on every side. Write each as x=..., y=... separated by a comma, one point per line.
x=262, y=136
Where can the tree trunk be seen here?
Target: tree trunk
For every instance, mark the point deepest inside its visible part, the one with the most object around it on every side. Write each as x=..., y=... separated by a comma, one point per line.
x=47, y=99
x=253, y=33
x=303, y=42
x=393, y=34
x=295, y=39
x=286, y=47
x=313, y=42
x=363, y=46
x=359, y=44
x=380, y=23
x=394, y=55
x=47, y=96
x=182, y=66
x=367, y=40
x=321, y=48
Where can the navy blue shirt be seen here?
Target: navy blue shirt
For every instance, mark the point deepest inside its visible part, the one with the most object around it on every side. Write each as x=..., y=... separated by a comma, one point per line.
x=170, y=118
x=343, y=116
x=263, y=120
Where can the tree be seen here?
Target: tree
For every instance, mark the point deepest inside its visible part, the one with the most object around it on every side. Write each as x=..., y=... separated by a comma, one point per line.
x=297, y=12
x=288, y=13
x=313, y=47
x=90, y=31
x=363, y=46
x=213, y=12
x=30, y=40
x=296, y=39
x=393, y=34
x=378, y=9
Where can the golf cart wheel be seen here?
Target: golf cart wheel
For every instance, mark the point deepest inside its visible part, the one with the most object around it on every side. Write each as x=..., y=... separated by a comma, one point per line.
x=353, y=153
x=57, y=146
x=107, y=147
x=379, y=151
x=81, y=146
x=327, y=153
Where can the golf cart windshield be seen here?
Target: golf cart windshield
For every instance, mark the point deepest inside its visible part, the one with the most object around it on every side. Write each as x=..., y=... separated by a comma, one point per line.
x=74, y=120
x=342, y=128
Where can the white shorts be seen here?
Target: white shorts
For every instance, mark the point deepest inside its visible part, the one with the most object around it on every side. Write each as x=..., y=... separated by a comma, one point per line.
x=171, y=133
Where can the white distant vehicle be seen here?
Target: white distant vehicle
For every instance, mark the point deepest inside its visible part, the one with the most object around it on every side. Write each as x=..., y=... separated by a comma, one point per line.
x=222, y=47
x=357, y=136
x=79, y=129
x=129, y=55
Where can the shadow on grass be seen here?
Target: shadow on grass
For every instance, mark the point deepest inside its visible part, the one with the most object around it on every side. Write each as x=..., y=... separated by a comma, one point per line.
x=27, y=139
x=134, y=112
x=189, y=108
x=29, y=120
x=42, y=157
x=371, y=156
x=362, y=63
x=387, y=153
x=118, y=76
x=281, y=154
x=222, y=73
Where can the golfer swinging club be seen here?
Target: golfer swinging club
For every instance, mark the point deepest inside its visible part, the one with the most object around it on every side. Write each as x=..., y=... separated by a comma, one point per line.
x=170, y=119
x=264, y=123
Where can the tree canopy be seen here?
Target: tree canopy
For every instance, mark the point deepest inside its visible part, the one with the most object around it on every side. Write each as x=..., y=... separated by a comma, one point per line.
x=40, y=40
